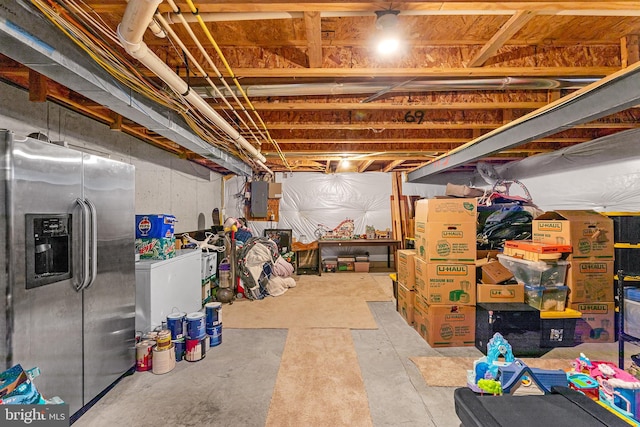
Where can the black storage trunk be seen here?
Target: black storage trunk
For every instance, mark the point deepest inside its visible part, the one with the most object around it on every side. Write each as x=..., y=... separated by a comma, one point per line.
x=626, y=229
x=558, y=332
x=518, y=323
x=627, y=259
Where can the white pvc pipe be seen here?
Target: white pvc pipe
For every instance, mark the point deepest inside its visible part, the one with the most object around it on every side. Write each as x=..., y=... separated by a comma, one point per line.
x=137, y=16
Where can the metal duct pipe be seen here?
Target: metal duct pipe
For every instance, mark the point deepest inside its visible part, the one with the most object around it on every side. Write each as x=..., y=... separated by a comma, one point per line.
x=309, y=89
x=137, y=16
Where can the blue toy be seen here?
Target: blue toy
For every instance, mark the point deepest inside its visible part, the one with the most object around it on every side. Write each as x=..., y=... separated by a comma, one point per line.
x=519, y=374
x=499, y=354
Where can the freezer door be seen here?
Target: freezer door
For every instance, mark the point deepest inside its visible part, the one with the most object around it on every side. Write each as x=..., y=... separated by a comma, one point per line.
x=109, y=298
x=45, y=326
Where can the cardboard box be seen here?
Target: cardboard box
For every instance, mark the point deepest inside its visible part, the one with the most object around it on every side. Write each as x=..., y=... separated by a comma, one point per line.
x=157, y=226
x=362, y=267
x=445, y=229
x=494, y=272
x=589, y=232
x=406, y=299
x=446, y=210
x=590, y=281
x=491, y=293
x=446, y=283
x=275, y=190
x=407, y=267
x=446, y=241
x=597, y=323
x=445, y=325
x=156, y=248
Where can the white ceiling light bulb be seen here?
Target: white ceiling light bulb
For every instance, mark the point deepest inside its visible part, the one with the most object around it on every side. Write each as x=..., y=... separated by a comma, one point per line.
x=386, y=23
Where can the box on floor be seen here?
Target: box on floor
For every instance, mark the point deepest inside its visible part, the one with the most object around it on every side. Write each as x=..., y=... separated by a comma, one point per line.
x=445, y=325
x=406, y=298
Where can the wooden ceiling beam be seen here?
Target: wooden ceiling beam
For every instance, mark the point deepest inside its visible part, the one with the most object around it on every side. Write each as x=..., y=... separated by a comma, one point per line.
x=590, y=8
x=629, y=50
x=424, y=125
x=319, y=142
x=314, y=38
x=409, y=73
x=37, y=87
x=364, y=165
x=381, y=106
x=512, y=26
x=392, y=165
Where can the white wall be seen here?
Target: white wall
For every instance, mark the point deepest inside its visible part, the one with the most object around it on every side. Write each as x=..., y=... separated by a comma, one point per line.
x=164, y=182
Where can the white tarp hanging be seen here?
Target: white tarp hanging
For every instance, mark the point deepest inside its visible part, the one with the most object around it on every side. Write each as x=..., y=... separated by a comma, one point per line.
x=603, y=175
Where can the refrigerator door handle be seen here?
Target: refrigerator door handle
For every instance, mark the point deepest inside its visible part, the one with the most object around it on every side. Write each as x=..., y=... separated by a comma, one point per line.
x=85, y=244
x=93, y=242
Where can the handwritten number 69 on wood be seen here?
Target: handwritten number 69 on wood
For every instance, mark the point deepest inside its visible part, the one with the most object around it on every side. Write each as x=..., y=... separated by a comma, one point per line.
x=414, y=116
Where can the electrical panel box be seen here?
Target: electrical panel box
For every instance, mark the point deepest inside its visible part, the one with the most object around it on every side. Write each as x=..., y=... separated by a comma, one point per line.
x=259, y=196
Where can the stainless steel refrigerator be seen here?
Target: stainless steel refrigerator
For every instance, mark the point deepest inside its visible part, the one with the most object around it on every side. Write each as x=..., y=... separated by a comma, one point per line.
x=66, y=267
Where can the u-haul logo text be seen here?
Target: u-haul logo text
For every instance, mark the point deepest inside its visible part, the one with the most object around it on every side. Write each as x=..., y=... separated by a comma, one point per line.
x=454, y=317
x=593, y=307
x=452, y=234
x=451, y=270
x=550, y=226
x=593, y=267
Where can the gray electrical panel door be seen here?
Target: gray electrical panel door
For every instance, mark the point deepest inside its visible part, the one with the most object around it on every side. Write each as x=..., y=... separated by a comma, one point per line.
x=259, y=196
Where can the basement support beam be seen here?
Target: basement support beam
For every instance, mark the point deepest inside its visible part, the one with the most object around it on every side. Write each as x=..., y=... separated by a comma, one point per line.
x=629, y=50
x=498, y=40
x=37, y=87
x=607, y=96
x=392, y=165
x=314, y=38
x=364, y=165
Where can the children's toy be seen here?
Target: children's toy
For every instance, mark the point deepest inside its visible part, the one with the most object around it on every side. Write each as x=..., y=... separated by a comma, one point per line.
x=536, y=381
x=486, y=368
x=619, y=390
x=584, y=384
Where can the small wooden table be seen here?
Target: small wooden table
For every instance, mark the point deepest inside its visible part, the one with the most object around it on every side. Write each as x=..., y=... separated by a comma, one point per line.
x=361, y=242
x=308, y=249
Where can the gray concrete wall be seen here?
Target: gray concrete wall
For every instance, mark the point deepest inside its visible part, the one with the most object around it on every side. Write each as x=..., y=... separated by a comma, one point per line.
x=164, y=183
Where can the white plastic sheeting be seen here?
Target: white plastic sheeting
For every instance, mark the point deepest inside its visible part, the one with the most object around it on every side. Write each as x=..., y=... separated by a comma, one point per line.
x=603, y=174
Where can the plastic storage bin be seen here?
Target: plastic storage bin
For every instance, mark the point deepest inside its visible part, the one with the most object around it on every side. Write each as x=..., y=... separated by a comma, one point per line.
x=536, y=273
x=558, y=328
x=546, y=298
x=518, y=323
x=626, y=228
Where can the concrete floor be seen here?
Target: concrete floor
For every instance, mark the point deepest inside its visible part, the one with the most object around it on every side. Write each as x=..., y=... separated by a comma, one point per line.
x=233, y=385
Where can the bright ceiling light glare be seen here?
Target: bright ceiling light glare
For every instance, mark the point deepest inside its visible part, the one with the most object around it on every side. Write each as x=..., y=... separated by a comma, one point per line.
x=345, y=162
x=386, y=25
x=388, y=45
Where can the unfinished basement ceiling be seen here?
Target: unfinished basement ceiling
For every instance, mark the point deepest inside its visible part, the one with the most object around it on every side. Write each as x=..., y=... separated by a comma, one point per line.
x=317, y=92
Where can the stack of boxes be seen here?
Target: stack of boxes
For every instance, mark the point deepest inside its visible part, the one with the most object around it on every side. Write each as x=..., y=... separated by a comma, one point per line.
x=590, y=270
x=445, y=275
x=154, y=236
x=406, y=283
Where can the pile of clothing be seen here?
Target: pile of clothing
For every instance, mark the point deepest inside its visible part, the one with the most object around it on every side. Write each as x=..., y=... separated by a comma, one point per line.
x=263, y=270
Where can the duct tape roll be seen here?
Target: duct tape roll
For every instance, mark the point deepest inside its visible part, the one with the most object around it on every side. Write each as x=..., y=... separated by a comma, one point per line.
x=163, y=340
x=213, y=311
x=195, y=326
x=196, y=349
x=144, y=355
x=163, y=360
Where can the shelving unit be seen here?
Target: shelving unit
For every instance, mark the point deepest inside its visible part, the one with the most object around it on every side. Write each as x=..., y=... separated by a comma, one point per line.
x=624, y=280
